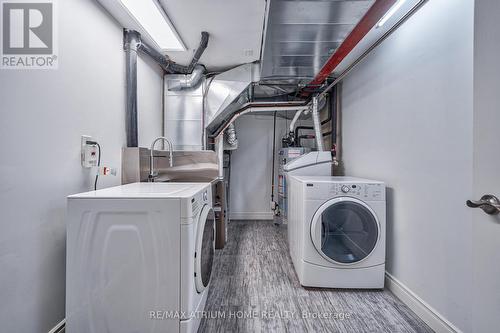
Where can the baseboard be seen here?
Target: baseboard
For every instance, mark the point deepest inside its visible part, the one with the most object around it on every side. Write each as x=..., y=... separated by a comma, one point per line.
x=426, y=312
x=251, y=215
x=59, y=328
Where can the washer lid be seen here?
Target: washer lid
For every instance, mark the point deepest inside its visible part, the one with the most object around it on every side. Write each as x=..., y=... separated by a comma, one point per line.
x=345, y=230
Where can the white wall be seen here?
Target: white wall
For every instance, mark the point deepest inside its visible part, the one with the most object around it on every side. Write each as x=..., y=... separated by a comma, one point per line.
x=43, y=114
x=251, y=165
x=407, y=120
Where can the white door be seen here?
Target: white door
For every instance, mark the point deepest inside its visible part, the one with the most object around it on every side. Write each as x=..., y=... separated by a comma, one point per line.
x=485, y=310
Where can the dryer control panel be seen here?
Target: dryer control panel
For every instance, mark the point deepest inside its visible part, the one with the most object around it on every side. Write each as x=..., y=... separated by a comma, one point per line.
x=198, y=201
x=362, y=191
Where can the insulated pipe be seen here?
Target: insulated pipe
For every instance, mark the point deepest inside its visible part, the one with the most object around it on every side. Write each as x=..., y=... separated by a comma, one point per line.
x=199, y=51
x=189, y=80
x=132, y=45
x=132, y=40
x=168, y=65
x=179, y=69
x=317, y=124
x=162, y=60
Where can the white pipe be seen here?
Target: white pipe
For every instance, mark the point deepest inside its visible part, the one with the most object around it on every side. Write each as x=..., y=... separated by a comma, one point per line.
x=317, y=124
x=219, y=150
x=236, y=115
x=294, y=120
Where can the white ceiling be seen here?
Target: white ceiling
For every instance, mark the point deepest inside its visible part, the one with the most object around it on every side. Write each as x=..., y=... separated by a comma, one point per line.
x=235, y=27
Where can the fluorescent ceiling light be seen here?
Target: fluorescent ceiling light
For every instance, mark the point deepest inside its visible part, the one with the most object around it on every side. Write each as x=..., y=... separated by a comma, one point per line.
x=148, y=15
x=391, y=12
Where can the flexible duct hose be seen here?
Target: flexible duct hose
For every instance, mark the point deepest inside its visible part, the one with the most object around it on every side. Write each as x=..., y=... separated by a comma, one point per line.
x=168, y=65
x=317, y=124
x=199, y=51
x=231, y=138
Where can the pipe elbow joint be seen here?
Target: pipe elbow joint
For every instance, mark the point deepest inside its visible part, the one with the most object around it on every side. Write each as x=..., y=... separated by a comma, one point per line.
x=188, y=81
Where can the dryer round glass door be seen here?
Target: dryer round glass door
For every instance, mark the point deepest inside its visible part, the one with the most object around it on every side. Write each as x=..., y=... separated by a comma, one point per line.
x=205, y=248
x=345, y=230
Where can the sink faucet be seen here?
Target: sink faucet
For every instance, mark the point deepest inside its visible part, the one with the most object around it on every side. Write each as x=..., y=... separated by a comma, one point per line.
x=152, y=174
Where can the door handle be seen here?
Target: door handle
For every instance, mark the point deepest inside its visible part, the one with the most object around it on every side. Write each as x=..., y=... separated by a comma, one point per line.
x=488, y=203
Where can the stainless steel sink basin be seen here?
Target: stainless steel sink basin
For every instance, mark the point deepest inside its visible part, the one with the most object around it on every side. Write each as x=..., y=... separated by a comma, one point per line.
x=189, y=166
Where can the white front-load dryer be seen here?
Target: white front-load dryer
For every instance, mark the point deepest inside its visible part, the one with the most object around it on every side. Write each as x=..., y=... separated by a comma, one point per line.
x=139, y=258
x=336, y=231
x=197, y=255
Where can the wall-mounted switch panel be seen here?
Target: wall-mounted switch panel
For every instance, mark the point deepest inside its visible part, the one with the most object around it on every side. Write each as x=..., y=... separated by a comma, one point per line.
x=89, y=152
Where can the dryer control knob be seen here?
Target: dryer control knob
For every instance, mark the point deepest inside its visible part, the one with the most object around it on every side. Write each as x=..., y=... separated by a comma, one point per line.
x=345, y=188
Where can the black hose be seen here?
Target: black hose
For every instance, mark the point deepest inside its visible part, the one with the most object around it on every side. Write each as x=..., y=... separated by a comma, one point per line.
x=309, y=136
x=296, y=134
x=197, y=55
x=199, y=50
x=168, y=65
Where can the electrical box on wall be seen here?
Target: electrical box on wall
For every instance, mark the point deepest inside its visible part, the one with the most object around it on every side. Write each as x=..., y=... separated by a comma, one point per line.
x=89, y=152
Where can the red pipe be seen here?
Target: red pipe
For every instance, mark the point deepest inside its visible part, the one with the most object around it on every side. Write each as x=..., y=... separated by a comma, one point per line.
x=372, y=16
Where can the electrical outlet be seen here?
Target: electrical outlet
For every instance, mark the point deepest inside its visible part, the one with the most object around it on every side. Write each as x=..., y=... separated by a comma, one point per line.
x=88, y=152
x=84, y=140
x=107, y=171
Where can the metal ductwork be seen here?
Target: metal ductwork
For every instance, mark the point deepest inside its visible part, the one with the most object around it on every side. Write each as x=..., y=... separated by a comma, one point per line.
x=132, y=40
x=265, y=107
x=132, y=45
x=227, y=92
x=231, y=140
x=195, y=105
x=164, y=61
x=168, y=65
x=188, y=81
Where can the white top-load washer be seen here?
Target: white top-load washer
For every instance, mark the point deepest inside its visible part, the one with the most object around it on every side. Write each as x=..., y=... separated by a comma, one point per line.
x=139, y=258
x=336, y=231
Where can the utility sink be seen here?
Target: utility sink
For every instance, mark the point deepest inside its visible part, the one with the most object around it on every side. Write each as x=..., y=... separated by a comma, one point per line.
x=189, y=166
x=188, y=171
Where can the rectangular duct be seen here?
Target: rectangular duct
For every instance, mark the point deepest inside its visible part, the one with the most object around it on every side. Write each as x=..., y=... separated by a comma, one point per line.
x=227, y=92
x=184, y=122
x=183, y=115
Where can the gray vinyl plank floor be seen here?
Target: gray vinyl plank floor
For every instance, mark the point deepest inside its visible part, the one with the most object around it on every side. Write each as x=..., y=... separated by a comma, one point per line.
x=254, y=289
